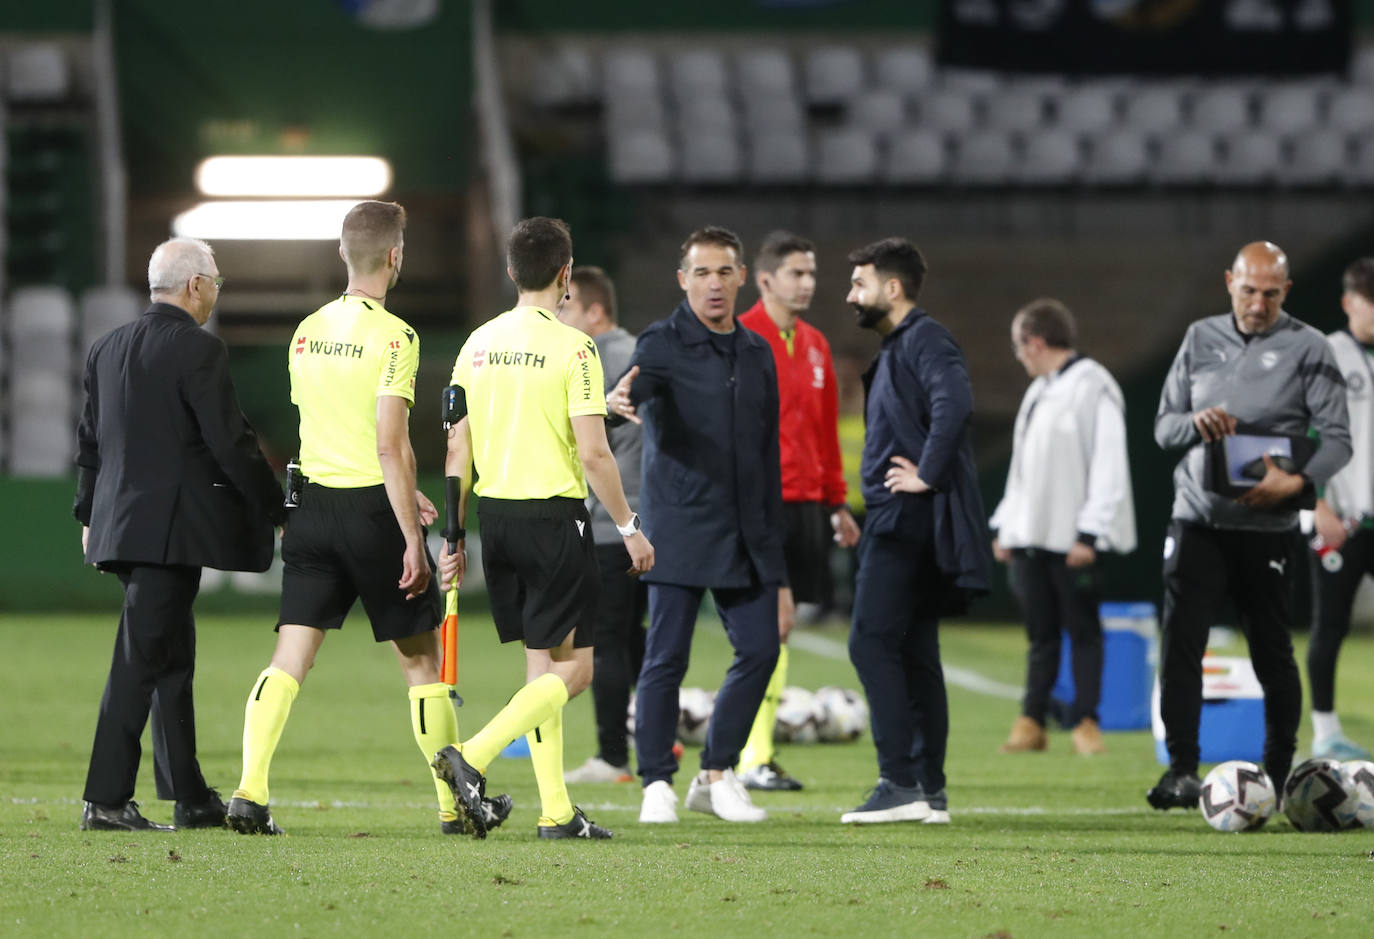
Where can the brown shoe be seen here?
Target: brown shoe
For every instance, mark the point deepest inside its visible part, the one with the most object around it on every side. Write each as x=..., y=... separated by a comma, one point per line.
x=1025, y=734
x=1087, y=738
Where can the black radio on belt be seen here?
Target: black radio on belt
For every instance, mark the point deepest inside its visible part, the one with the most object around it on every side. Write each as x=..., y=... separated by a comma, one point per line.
x=295, y=484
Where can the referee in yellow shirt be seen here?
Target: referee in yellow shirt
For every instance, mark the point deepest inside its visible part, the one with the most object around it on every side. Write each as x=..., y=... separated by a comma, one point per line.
x=357, y=532
x=528, y=407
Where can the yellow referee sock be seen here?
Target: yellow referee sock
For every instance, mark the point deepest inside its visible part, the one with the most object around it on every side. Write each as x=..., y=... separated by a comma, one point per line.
x=435, y=725
x=546, y=755
x=269, y=704
x=758, y=749
x=531, y=706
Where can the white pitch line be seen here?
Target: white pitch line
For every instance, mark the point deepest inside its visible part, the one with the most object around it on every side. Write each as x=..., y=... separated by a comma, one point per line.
x=964, y=678
x=634, y=807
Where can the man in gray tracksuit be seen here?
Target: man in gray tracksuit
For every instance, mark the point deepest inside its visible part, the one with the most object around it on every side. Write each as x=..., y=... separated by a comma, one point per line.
x=591, y=307
x=1259, y=366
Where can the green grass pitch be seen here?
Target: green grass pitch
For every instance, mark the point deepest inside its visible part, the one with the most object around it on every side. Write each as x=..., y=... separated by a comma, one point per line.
x=1041, y=844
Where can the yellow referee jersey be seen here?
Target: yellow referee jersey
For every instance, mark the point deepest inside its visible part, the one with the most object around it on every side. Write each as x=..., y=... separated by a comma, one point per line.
x=525, y=375
x=345, y=356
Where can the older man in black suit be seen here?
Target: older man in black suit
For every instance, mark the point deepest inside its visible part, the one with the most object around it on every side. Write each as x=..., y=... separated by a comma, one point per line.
x=712, y=503
x=171, y=480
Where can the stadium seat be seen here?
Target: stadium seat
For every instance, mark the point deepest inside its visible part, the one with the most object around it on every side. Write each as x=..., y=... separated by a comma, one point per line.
x=767, y=112
x=1222, y=109
x=44, y=313
x=37, y=390
x=1251, y=157
x=916, y=157
x=707, y=111
x=1117, y=158
x=834, y=74
x=1351, y=109
x=104, y=308
x=877, y=111
x=904, y=69
x=41, y=444
x=37, y=72
x=1362, y=66
x=779, y=158
x=1089, y=108
x=566, y=76
x=846, y=156
x=973, y=81
x=1050, y=157
x=1359, y=169
x=641, y=156
x=766, y=72
x=710, y=156
x=1015, y=110
x=950, y=110
x=1291, y=107
x=1319, y=157
x=629, y=72
x=1187, y=157
x=1154, y=108
x=635, y=111
x=698, y=72
x=984, y=158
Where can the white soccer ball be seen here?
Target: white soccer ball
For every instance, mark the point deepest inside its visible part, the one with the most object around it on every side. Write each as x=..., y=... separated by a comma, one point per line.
x=1359, y=788
x=796, y=721
x=694, y=714
x=1315, y=797
x=1237, y=796
x=841, y=714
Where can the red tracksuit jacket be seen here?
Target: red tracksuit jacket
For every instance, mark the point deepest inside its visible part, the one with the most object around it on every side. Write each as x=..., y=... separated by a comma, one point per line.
x=808, y=406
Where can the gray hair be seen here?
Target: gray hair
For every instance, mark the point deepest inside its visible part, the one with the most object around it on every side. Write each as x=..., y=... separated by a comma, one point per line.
x=176, y=261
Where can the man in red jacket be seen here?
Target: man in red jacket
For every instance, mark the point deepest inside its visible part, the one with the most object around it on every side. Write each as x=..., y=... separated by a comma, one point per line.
x=813, y=489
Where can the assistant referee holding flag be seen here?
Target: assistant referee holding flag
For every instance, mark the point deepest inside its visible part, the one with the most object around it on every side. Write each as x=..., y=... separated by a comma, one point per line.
x=357, y=531
x=527, y=405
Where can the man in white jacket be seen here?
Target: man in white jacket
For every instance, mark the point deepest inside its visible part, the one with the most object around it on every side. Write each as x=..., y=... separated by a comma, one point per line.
x=1344, y=536
x=1068, y=497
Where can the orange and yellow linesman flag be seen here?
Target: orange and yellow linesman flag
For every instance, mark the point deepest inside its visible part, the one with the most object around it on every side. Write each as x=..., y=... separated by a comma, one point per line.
x=449, y=634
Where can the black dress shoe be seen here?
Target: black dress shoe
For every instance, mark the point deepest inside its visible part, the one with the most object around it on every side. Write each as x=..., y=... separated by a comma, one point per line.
x=207, y=814
x=1175, y=790
x=124, y=817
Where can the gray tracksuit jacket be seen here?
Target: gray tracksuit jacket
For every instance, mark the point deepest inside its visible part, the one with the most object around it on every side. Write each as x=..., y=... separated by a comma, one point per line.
x=1284, y=380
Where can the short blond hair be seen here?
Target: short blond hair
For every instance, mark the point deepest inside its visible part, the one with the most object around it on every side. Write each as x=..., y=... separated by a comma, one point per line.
x=370, y=231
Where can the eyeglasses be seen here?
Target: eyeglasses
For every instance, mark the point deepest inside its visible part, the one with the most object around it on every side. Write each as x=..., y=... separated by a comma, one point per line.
x=216, y=279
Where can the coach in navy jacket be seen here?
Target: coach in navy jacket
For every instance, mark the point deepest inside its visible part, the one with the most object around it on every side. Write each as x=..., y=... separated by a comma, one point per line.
x=707, y=392
x=924, y=547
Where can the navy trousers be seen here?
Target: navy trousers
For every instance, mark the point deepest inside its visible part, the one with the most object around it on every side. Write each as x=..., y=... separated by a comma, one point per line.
x=750, y=617
x=155, y=651
x=895, y=647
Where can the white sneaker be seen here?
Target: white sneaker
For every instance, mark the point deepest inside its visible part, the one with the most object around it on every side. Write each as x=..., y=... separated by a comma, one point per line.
x=699, y=794
x=726, y=798
x=597, y=770
x=659, y=805
x=936, y=817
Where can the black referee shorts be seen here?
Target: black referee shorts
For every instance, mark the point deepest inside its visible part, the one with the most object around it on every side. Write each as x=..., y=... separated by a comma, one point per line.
x=540, y=564
x=344, y=544
x=806, y=549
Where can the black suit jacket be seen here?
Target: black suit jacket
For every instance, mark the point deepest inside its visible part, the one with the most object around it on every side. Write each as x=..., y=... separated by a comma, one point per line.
x=711, y=493
x=170, y=470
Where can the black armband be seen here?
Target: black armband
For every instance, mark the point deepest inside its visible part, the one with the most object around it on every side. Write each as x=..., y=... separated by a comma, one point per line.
x=453, y=525
x=455, y=406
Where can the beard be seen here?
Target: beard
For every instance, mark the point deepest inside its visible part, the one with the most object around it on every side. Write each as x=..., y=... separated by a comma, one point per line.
x=869, y=316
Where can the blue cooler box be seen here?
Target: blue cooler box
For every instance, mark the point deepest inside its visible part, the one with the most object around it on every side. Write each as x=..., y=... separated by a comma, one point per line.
x=1232, y=722
x=1129, y=632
